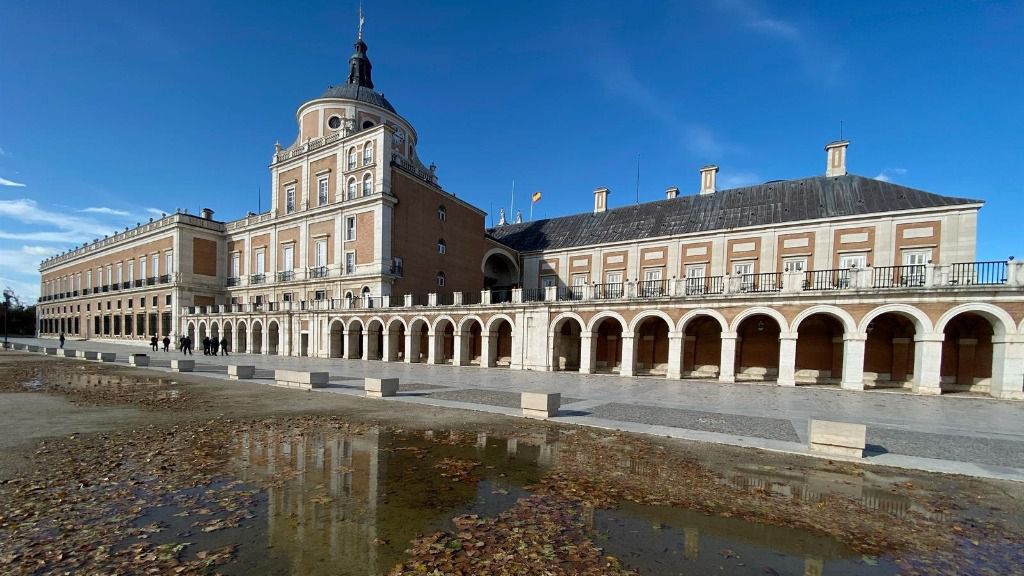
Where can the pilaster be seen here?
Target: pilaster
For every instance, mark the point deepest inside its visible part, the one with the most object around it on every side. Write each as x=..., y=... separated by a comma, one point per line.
x=675, y=356
x=853, y=362
x=727, y=360
x=927, y=363
x=787, y=360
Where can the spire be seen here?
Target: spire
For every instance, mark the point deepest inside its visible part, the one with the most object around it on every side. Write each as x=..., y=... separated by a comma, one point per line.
x=359, y=64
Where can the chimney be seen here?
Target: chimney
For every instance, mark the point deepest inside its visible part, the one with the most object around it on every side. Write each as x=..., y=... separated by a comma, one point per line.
x=206, y=213
x=836, y=165
x=601, y=199
x=671, y=192
x=707, y=179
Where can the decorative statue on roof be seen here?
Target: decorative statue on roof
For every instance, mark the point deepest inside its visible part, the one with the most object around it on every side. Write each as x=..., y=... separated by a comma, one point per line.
x=501, y=217
x=519, y=216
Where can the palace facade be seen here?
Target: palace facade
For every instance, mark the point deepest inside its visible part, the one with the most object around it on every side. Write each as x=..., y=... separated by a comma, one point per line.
x=833, y=279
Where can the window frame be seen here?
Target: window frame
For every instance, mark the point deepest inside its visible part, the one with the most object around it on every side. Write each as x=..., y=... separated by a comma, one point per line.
x=350, y=228
x=289, y=200
x=441, y=279
x=323, y=187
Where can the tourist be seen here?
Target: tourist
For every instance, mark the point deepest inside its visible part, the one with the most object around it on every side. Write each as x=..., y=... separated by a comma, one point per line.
x=187, y=346
x=152, y=343
x=61, y=339
x=206, y=345
x=224, y=345
x=167, y=343
x=214, y=345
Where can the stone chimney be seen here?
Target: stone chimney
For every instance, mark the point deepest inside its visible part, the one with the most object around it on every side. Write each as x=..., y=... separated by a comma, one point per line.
x=206, y=213
x=671, y=192
x=836, y=164
x=601, y=199
x=707, y=179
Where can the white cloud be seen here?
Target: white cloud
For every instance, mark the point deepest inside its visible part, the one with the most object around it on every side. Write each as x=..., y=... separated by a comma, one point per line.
x=738, y=180
x=65, y=228
x=105, y=210
x=27, y=258
x=156, y=212
x=27, y=292
x=6, y=182
x=889, y=173
x=3, y=152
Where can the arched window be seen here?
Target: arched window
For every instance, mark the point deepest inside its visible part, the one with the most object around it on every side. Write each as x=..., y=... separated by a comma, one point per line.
x=442, y=247
x=440, y=278
x=442, y=213
x=367, y=124
x=352, y=158
x=368, y=154
x=367, y=185
x=351, y=195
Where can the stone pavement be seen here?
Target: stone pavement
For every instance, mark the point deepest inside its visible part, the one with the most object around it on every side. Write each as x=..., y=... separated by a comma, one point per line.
x=963, y=434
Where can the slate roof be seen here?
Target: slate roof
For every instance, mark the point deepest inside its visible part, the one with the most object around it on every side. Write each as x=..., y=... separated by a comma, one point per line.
x=777, y=202
x=359, y=93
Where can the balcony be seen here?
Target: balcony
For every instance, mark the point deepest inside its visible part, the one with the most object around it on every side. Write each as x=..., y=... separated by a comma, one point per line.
x=835, y=279
x=151, y=281
x=898, y=276
x=234, y=281
x=165, y=279
x=126, y=285
x=992, y=273
x=397, y=270
x=286, y=276
x=106, y=288
x=115, y=286
x=317, y=272
x=257, y=278
x=140, y=283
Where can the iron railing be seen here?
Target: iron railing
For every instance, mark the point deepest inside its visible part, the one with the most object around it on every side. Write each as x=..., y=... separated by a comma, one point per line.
x=759, y=283
x=898, y=276
x=234, y=281
x=605, y=291
x=471, y=298
x=534, y=294
x=257, y=278
x=151, y=281
x=701, y=285
x=318, y=272
x=989, y=273
x=286, y=276
x=165, y=279
x=652, y=288
x=501, y=296
x=445, y=298
x=835, y=279
x=571, y=293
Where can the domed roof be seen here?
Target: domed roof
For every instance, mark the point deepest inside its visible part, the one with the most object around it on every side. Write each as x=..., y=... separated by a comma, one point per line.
x=360, y=94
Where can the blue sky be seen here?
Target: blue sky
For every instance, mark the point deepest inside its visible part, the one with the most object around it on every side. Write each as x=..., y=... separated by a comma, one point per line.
x=112, y=112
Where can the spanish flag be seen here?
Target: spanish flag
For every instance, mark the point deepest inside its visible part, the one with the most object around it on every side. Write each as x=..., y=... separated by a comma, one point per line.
x=536, y=197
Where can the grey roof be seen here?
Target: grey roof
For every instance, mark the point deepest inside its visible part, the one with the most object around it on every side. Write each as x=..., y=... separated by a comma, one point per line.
x=360, y=93
x=778, y=202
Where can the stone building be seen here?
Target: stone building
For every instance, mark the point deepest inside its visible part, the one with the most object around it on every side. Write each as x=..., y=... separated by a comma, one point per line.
x=833, y=279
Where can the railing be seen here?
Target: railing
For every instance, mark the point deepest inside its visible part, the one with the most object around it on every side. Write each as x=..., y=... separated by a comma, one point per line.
x=126, y=285
x=835, y=279
x=898, y=276
x=445, y=299
x=257, y=278
x=701, y=285
x=571, y=293
x=759, y=283
x=151, y=281
x=979, y=273
x=286, y=276
x=607, y=291
x=233, y=281
x=652, y=288
x=115, y=286
x=471, y=298
x=106, y=288
x=501, y=296
x=85, y=291
x=165, y=279
x=140, y=283
x=534, y=294
x=397, y=270
x=420, y=300
x=318, y=272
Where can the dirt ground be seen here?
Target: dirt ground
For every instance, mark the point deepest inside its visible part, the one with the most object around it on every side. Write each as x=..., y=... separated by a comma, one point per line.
x=49, y=406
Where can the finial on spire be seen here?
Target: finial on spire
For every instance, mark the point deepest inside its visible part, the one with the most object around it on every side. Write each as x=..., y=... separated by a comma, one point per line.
x=362, y=20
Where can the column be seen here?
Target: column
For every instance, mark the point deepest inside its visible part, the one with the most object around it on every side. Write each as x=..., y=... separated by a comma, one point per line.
x=433, y=349
x=927, y=362
x=366, y=345
x=588, y=349
x=487, y=359
x=675, y=356
x=853, y=362
x=1007, y=367
x=727, y=360
x=409, y=352
x=787, y=360
x=460, y=353
x=386, y=352
x=628, y=365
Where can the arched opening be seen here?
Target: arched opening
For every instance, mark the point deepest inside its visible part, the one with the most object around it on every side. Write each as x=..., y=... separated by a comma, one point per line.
x=819, y=350
x=967, y=353
x=191, y=334
x=568, y=342
x=757, y=349
x=354, y=340
x=651, y=347
x=335, y=339
x=228, y=337
x=203, y=335
x=375, y=340
x=241, y=339
x=257, y=338
x=499, y=344
x=500, y=272
x=444, y=342
x=471, y=343
x=418, y=341
x=215, y=332
x=608, y=348
x=702, y=348
x=396, y=341
x=889, y=351
x=273, y=338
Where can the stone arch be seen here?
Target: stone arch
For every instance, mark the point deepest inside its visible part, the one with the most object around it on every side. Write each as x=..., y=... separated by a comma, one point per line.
x=469, y=317
x=566, y=337
x=844, y=317
x=273, y=338
x=644, y=315
x=770, y=312
x=973, y=353
x=241, y=341
x=922, y=324
x=354, y=329
x=757, y=344
x=701, y=332
x=1001, y=321
x=470, y=342
x=699, y=312
x=394, y=340
x=443, y=335
x=890, y=346
x=215, y=331
x=501, y=269
x=602, y=316
x=228, y=335
x=203, y=333
x=650, y=330
x=374, y=335
x=256, y=338
x=417, y=339
x=495, y=318
x=336, y=338
x=442, y=318
x=191, y=332
x=498, y=331
x=606, y=330
x=821, y=339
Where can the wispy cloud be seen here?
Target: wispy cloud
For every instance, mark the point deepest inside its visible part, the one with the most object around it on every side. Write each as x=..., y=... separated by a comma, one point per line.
x=6, y=182
x=105, y=210
x=155, y=212
x=3, y=152
x=888, y=174
x=63, y=228
x=27, y=291
x=739, y=179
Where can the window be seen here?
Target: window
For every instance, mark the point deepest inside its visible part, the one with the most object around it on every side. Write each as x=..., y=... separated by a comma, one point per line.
x=742, y=268
x=548, y=281
x=142, y=268
x=321, y=190
x=350, y=228
x=156, y=265
x=367, y=185
x=287, y=296
x=289, y=200
x=108, y=304
x=350, y=262
x=142, y=302
x=118, y=304
x=334, y=122
x=154, y=302
x=367, y=124
x=288, y=259
x=320, y=253
x=441, y=278
x=167, y=299
x=120, y=268
x=695, y=271
x=794, y=264
x=261, y=262
x=853, y=260
x=613, y=277
x=88, y=278
x=131, y=270
x=110, y=276
x=236, y=264
x=916, y=257
x=441, y=246
x=442, y=214
x=320, y=295
x=652, y=275
x=169, y=262
x=351, y=189
x=352, y=158
x=368, y=154
x=130, y=302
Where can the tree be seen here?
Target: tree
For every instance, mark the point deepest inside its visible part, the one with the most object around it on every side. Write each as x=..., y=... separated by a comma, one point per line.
x=18, y=318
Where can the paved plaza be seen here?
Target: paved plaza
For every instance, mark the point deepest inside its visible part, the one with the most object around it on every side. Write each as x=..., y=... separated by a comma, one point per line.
x=962, y=434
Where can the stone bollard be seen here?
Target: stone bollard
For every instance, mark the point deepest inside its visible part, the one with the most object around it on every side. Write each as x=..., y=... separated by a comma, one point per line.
x=540, y=405
x=107, y=356
x=241, y=372
x=301, y=380
x=138, y=360
x=65, y=353
x=380, y=387
x=81, y=354
x=183, y=365
x=34, y=348
x=50, y=351
x=837, y=438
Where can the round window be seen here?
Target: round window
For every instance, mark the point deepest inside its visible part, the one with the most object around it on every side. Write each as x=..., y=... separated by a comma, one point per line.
x=334, y=122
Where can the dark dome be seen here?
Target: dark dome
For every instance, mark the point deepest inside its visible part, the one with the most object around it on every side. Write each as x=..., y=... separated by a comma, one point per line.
x=359, y=93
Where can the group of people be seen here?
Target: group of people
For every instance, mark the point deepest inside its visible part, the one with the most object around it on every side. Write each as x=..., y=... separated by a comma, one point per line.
x=154, y=343
x=210, y=346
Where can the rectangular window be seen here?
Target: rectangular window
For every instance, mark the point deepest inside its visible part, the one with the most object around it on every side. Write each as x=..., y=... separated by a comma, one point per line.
x=320, y=295
x=320, y=253
x=350, y=262
x=142, y=268
x=167, y=300
x=261, y=262
x=287, y=296
x=154, y=302
x=853, y=260
x=169, y=262
x=88, y=278
x=794, y=264
x=548, y=281
x=916, y=257
x=321, y=187
x=142, y=302
x=131, y=270
x=236, y=264
x=110, y=274
x=289, y=200
x=742, y=268
x=614, y=277
x=156, y=265
x=288, y=259
x=652, y=275
x=119, y=270
x=130, y=302
x=580, y=279
x=350, y=228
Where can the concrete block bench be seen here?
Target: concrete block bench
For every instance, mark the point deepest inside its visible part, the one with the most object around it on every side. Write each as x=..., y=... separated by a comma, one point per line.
x=106, y=356
x=81, y=354
x=64, y=353
x=50, y=351
x=301, y=380
x=241, y=372
x=380, y=387
x=540, y=405
x=21, y=346
x=837, y=438
x=183, y=365
x=34, y=348
x=138, y=360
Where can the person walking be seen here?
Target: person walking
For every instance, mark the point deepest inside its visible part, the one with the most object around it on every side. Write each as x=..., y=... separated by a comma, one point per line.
x=206, y=345
x=152, y=343
x=187, y=347
x=214, y=345
x=224, y=345
x=61, y=339
x=167, y=344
